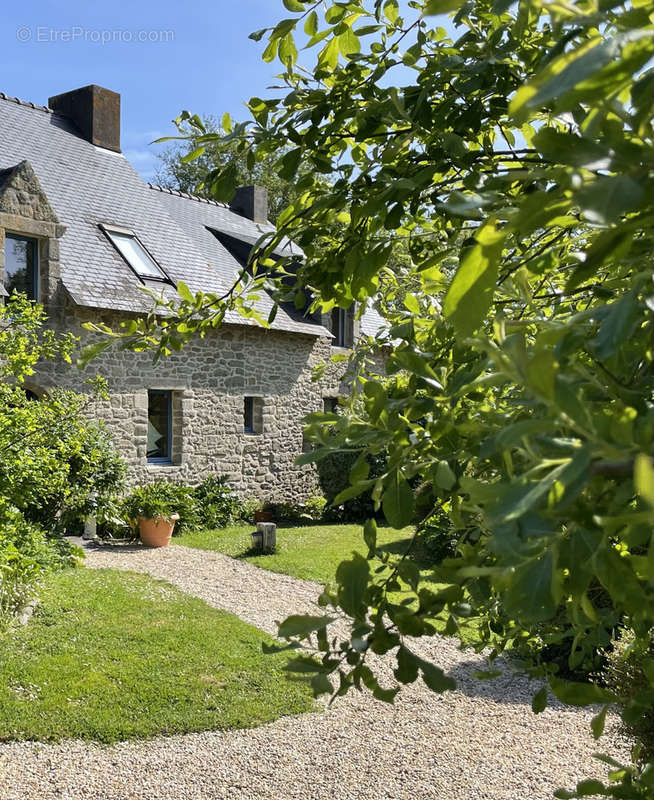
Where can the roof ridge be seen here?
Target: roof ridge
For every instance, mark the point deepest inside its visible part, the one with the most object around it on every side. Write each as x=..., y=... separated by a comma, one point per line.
x=187, y=196
x=26, y=103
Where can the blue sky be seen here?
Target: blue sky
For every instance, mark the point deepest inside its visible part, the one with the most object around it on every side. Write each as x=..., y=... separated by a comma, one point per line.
x=200, y=58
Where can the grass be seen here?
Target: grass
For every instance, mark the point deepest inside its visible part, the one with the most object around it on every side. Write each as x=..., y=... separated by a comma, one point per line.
x=111, y=655
x=312, y=552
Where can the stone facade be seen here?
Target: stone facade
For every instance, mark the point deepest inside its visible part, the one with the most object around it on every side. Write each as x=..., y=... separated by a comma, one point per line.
x=208, y=380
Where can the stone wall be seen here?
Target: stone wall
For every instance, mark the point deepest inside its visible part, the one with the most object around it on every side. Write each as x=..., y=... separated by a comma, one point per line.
x=209, y=380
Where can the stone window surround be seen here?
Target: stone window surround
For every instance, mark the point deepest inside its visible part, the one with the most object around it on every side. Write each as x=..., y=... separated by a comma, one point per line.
x=47, y=235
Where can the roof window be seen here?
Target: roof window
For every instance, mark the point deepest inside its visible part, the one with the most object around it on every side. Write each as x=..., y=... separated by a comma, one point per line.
x=135, y=254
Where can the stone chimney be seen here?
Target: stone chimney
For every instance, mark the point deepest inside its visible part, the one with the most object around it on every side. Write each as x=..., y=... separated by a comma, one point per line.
x=95, y=111
x=251, y=202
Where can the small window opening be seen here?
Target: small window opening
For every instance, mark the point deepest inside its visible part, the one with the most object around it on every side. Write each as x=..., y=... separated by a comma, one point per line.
x=160, y=424
x=252, y=415
x=330, y=405
x=341, y=328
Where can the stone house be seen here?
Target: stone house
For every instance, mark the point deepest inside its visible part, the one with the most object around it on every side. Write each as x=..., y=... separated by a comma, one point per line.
x=82, y=233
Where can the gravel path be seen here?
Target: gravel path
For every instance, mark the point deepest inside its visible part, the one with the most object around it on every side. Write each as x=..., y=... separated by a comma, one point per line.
x=479, y=743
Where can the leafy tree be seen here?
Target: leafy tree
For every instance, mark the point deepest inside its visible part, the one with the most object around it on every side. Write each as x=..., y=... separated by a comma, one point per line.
x=55, y=465
x=194, y=175
x=513, y=159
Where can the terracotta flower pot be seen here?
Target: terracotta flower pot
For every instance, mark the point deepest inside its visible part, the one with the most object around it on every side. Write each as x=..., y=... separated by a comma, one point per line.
x=263, y=516
x=157, y=532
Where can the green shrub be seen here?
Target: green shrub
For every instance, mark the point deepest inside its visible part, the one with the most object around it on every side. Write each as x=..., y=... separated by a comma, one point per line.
x=334, y=477
x=248, y=507
x=629, y=662
x=298, y=513
x=26, y=553
x=218, y=505
x=437, y=538
x=315, y=507
x=53, y=459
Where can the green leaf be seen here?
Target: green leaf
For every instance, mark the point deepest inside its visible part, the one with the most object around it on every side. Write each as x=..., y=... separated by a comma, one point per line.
x=471, y=292
x=411, y=302
x=288, y=164
x=397, y=501
x=184, y=292
x=300, y=625
x=433, y=7
x=192, y=155
x=257, y=36
x=407, y=665
x=293, y=5
x=311, y=24
x=391, y=10
x=580, y=694
x=352, y=577
x=328, y=56
x=348, y=43
x=321, y=684
x=521, y=498
x=619, y=320
x=444, y=478
x=534, y=591
x=270, y=52
x=435, y=678
x=335, y=14
x=607, y=199
x=92, y=351
x=370, y=536
x=644, y=478
x=590, y=787
x=562, y=75
x=539, y=700
x=568, y=148
x=597, y=723
x=287, y=50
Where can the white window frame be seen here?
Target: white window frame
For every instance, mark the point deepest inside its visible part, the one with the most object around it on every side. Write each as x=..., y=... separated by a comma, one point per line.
x=110, y=230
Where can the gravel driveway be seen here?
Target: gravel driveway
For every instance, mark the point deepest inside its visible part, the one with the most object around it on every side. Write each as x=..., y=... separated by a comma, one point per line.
x=479, y=743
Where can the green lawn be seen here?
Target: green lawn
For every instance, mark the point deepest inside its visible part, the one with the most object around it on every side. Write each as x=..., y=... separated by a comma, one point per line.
x=112, y=655
x=312, y=552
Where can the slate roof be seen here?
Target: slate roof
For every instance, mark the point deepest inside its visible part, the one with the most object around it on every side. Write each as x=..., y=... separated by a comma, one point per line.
x=87, y=185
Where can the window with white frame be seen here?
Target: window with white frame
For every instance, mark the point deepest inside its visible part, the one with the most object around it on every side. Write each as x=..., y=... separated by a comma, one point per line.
x=134, y=253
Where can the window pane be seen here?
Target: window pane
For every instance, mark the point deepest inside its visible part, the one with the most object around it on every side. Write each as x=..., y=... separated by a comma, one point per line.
x=135, y=255
x=159, y=426
x=20, y=265
x=248, y=414
x=339, y=327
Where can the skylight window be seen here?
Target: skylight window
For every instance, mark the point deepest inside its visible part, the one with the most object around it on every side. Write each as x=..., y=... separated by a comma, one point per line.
x=135, y=254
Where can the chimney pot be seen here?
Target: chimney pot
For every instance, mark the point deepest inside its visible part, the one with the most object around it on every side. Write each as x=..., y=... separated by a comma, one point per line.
x=251, y=202
x=95, y=111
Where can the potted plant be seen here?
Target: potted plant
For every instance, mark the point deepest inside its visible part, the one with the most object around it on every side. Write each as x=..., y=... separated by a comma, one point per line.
x=150, y=508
